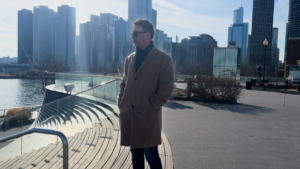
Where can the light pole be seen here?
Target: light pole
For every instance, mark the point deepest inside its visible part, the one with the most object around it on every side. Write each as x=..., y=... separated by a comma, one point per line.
x=266, y=45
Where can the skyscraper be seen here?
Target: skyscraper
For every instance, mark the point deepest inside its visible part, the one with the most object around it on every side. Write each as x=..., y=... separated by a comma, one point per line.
x=77, y=45
x=193, y=50
x=286, y=40
x=158, y=39
x=97, y=41
x=184, y=46
x=238, y=16
x=274, y=54
x=25, y=36
x=43, y=31
x=293, y=38
x=206, y=52
x=262, y=28
x=154, y=18
x=120, y=43
x=108, y=18
x=64, y=35
x=294, y=19
x=137, y=9
x=238, y=32
x=167, y=45
x=200, y=51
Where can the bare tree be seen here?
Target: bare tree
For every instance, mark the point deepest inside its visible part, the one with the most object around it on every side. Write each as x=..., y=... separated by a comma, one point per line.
x=43, y=67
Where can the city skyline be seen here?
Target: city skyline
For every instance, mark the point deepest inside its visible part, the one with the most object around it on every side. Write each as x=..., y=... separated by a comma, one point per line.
x=168, y=18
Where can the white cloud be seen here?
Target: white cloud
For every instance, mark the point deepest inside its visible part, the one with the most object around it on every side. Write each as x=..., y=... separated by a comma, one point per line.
x=6, y=27
x=168, y=5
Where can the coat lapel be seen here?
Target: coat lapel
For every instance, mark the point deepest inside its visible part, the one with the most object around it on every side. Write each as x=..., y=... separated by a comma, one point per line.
x=150, y=55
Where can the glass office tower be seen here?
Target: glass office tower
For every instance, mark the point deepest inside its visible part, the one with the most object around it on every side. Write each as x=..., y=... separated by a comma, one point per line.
x=274, y=54
x=25, y=36
x=227, y=63
x=238, y=32
x=137, y=9
x=120, y=48
x=167, y=45
x=238, y=16
x=294, y=19
x=262, y=28
x=43, y=34
x=64, y=34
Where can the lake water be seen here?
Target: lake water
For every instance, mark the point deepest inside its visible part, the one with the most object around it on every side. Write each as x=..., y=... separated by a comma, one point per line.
x=19, y=92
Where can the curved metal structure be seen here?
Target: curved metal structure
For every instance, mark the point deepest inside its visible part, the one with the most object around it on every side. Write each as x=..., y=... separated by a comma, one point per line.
x=45, y=131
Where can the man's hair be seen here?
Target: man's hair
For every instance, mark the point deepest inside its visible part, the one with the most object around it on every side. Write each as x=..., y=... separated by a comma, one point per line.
x=146, y=25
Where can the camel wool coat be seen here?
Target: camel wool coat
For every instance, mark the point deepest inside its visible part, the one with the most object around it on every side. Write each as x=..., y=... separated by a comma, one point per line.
x=141, y=97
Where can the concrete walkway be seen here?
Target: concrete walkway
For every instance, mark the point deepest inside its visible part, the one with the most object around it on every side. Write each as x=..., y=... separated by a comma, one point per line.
x=262, y=131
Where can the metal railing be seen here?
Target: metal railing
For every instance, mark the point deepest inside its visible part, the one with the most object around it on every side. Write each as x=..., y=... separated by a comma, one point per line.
x=63, y=138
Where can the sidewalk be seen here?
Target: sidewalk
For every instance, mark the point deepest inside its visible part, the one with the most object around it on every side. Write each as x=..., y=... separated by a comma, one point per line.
x=262, y=131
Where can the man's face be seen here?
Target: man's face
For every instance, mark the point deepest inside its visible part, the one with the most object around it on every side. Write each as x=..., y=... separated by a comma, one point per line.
x=140, y=38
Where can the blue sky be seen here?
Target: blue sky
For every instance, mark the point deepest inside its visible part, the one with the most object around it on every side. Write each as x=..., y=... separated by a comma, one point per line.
x=177, y=17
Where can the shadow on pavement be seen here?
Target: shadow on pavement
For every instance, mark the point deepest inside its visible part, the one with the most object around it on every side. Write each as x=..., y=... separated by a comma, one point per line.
x=175, y=105
x=238, y=108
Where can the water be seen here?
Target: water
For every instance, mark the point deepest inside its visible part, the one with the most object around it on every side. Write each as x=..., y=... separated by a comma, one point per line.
x=19, y=93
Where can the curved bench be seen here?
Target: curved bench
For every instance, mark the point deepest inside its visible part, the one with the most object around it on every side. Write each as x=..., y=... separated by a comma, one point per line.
x=96, y=143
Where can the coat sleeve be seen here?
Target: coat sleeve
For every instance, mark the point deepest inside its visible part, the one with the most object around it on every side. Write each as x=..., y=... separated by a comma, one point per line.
x=165, y=85
x=123, y=82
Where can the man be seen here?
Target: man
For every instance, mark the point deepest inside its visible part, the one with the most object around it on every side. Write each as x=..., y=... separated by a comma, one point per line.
x=146, y=86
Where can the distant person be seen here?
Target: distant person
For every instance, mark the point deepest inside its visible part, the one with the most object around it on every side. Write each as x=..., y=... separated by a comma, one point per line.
x=146, y=86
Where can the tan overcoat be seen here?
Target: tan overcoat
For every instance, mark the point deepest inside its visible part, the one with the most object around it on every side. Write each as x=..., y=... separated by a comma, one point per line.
x=141, y=97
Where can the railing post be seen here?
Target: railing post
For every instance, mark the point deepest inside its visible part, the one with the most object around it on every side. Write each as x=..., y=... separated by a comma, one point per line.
x=63, y=138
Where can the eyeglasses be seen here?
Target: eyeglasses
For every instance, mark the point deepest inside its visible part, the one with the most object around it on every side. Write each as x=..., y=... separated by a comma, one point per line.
x=135, y=33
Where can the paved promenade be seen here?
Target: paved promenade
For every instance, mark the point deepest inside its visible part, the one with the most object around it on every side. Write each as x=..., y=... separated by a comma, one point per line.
x=262, y=131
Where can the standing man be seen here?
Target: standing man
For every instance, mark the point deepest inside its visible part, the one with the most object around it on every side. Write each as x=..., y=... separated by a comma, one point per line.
x=146, y=86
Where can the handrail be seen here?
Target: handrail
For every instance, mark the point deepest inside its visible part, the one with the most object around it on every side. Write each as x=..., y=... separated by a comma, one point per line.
x=101, y=84
x=63, y=138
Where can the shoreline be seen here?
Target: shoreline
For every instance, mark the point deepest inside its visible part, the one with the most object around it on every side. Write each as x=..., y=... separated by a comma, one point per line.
x=15, y=77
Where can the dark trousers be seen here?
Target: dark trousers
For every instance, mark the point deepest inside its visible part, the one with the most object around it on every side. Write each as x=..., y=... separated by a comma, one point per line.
x=151, y=154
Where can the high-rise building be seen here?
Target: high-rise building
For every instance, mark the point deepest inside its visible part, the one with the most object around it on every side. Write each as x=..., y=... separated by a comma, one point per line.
x=97, y=41
x=158, y=39
x=154, y=18
x=85, y=41
x=64, y=35
x=206, y=52
x=293, y=38
x=201, y=52
x=193, y=50
x=184, y=46
x=43, y=31
x=108, y=18
x=167, y=45
x=238, y=32
x=120, y=42
x=137, y=9
x=262, y=28
x=77, y=45
x=25, y=36
x=294, y=19
x=286, y=40
x=175, y=55
x=274, y=52
x=238, y=16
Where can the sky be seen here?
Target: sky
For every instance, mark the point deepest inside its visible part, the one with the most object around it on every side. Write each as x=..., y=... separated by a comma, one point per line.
x=183, y=18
